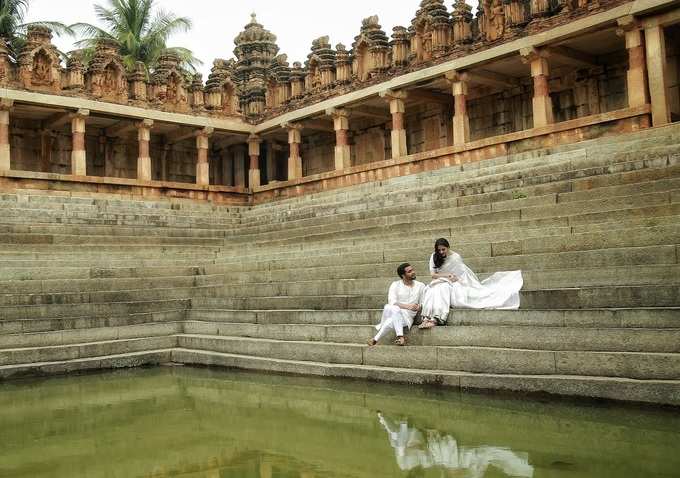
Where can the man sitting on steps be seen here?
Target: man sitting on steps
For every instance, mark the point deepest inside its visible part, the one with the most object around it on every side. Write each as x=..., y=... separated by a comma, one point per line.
x=403, y=304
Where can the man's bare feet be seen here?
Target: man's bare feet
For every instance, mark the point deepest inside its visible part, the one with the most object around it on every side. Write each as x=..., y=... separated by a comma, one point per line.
x=427, y=324
x=371, y=342
x=400, y=341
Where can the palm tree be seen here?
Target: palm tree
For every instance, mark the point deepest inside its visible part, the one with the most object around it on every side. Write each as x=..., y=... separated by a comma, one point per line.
x=140, y=35
x=13, y=29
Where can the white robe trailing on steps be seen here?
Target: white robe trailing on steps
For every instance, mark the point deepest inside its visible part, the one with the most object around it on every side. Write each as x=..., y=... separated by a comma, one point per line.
x=498, y=291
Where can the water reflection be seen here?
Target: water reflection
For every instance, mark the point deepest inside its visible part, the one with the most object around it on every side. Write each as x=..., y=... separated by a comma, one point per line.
x=198, y=423
x=416, y=449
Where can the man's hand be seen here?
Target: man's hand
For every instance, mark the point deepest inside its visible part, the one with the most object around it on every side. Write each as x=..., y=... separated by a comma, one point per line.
x=452, y=277
x=413, y=307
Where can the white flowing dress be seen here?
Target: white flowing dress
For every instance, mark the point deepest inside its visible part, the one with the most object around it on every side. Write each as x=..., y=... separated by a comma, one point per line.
x=498, y=291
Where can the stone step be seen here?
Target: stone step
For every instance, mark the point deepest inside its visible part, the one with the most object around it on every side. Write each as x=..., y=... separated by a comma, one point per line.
x=386, y=273
x=30, y=216
x=110, y=361
x=205, y=310
x=595, y=277
x=91, y=309
x=561, y=298
x=629, y=339
x=87, y=335
x=567, y=189
x=101, y=230
x=637, y=365
x=18, y=238
x=31, y=355
x=460, y=216
x=469, y=231
x=501, y=188
x=600, y=238
x=75, y=204
x=21, y=273
x=104, y=200
x=627, y=145
x=106, y=263
x=54, y=286
x=130, y=295
x=333, y=245
x=650, y=391
x=520, y=203
x=29, y=325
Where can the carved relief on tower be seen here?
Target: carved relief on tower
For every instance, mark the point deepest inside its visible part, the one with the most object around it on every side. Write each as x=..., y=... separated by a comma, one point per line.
x=494, y=15
x=220, y=89
x=137, y=81
x=278, y=81
x=370, y=50
x=106, y=76
x=39, y=61
x=5, y=65
x=431, y=30
x=169, y=84
x=321, y=65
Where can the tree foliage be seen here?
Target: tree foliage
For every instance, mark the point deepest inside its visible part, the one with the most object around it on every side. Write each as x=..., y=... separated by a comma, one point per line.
x=140, y=32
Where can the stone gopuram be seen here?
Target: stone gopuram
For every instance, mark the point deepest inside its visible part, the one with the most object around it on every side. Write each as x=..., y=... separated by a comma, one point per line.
x=256, y=220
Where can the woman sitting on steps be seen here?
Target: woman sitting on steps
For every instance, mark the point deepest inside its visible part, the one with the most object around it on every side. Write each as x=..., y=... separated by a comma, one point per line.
x=455, y=285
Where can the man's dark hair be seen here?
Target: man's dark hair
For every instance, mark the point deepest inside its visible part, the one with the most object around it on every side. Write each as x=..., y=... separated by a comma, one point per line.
x=401, y=270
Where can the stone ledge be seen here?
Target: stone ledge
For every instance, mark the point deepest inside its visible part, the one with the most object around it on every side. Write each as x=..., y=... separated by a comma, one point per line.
x=13, y=180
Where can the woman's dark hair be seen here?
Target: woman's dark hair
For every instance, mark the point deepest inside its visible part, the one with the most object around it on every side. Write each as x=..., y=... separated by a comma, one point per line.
x=401, y=270
x=436, y=258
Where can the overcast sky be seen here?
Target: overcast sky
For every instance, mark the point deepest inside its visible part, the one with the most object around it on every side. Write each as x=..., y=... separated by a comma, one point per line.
x=216, y=22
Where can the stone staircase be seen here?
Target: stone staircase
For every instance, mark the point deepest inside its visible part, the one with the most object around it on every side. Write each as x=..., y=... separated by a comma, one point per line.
x=98, y=282
x=594, y=226
x=294, y=286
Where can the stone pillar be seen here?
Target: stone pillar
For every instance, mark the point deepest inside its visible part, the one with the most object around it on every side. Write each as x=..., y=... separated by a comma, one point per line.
x=655, y=44
x=294, y=159
x=239, y=166
x=461, y=120
x=5, y=107
x=202, y=166
x=343, y=156
x=143, y=156
x=636, y=83
x=78, y=156
x=397, y=109
x=541, y=102
x=254, y=176
x=166, y=154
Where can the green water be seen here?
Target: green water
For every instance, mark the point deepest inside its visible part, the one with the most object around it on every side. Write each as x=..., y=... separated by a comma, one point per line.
x=186, y=422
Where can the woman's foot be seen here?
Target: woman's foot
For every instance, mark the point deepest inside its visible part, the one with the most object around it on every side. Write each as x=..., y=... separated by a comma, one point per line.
x=400, y=341
x=371, y=342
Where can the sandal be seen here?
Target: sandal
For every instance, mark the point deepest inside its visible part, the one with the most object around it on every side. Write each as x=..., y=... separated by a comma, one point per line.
x=371, y=342
x=401, y=341
x=427, y=324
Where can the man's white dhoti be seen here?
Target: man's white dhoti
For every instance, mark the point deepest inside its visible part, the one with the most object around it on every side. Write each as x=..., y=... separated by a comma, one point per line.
x=394, y=317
